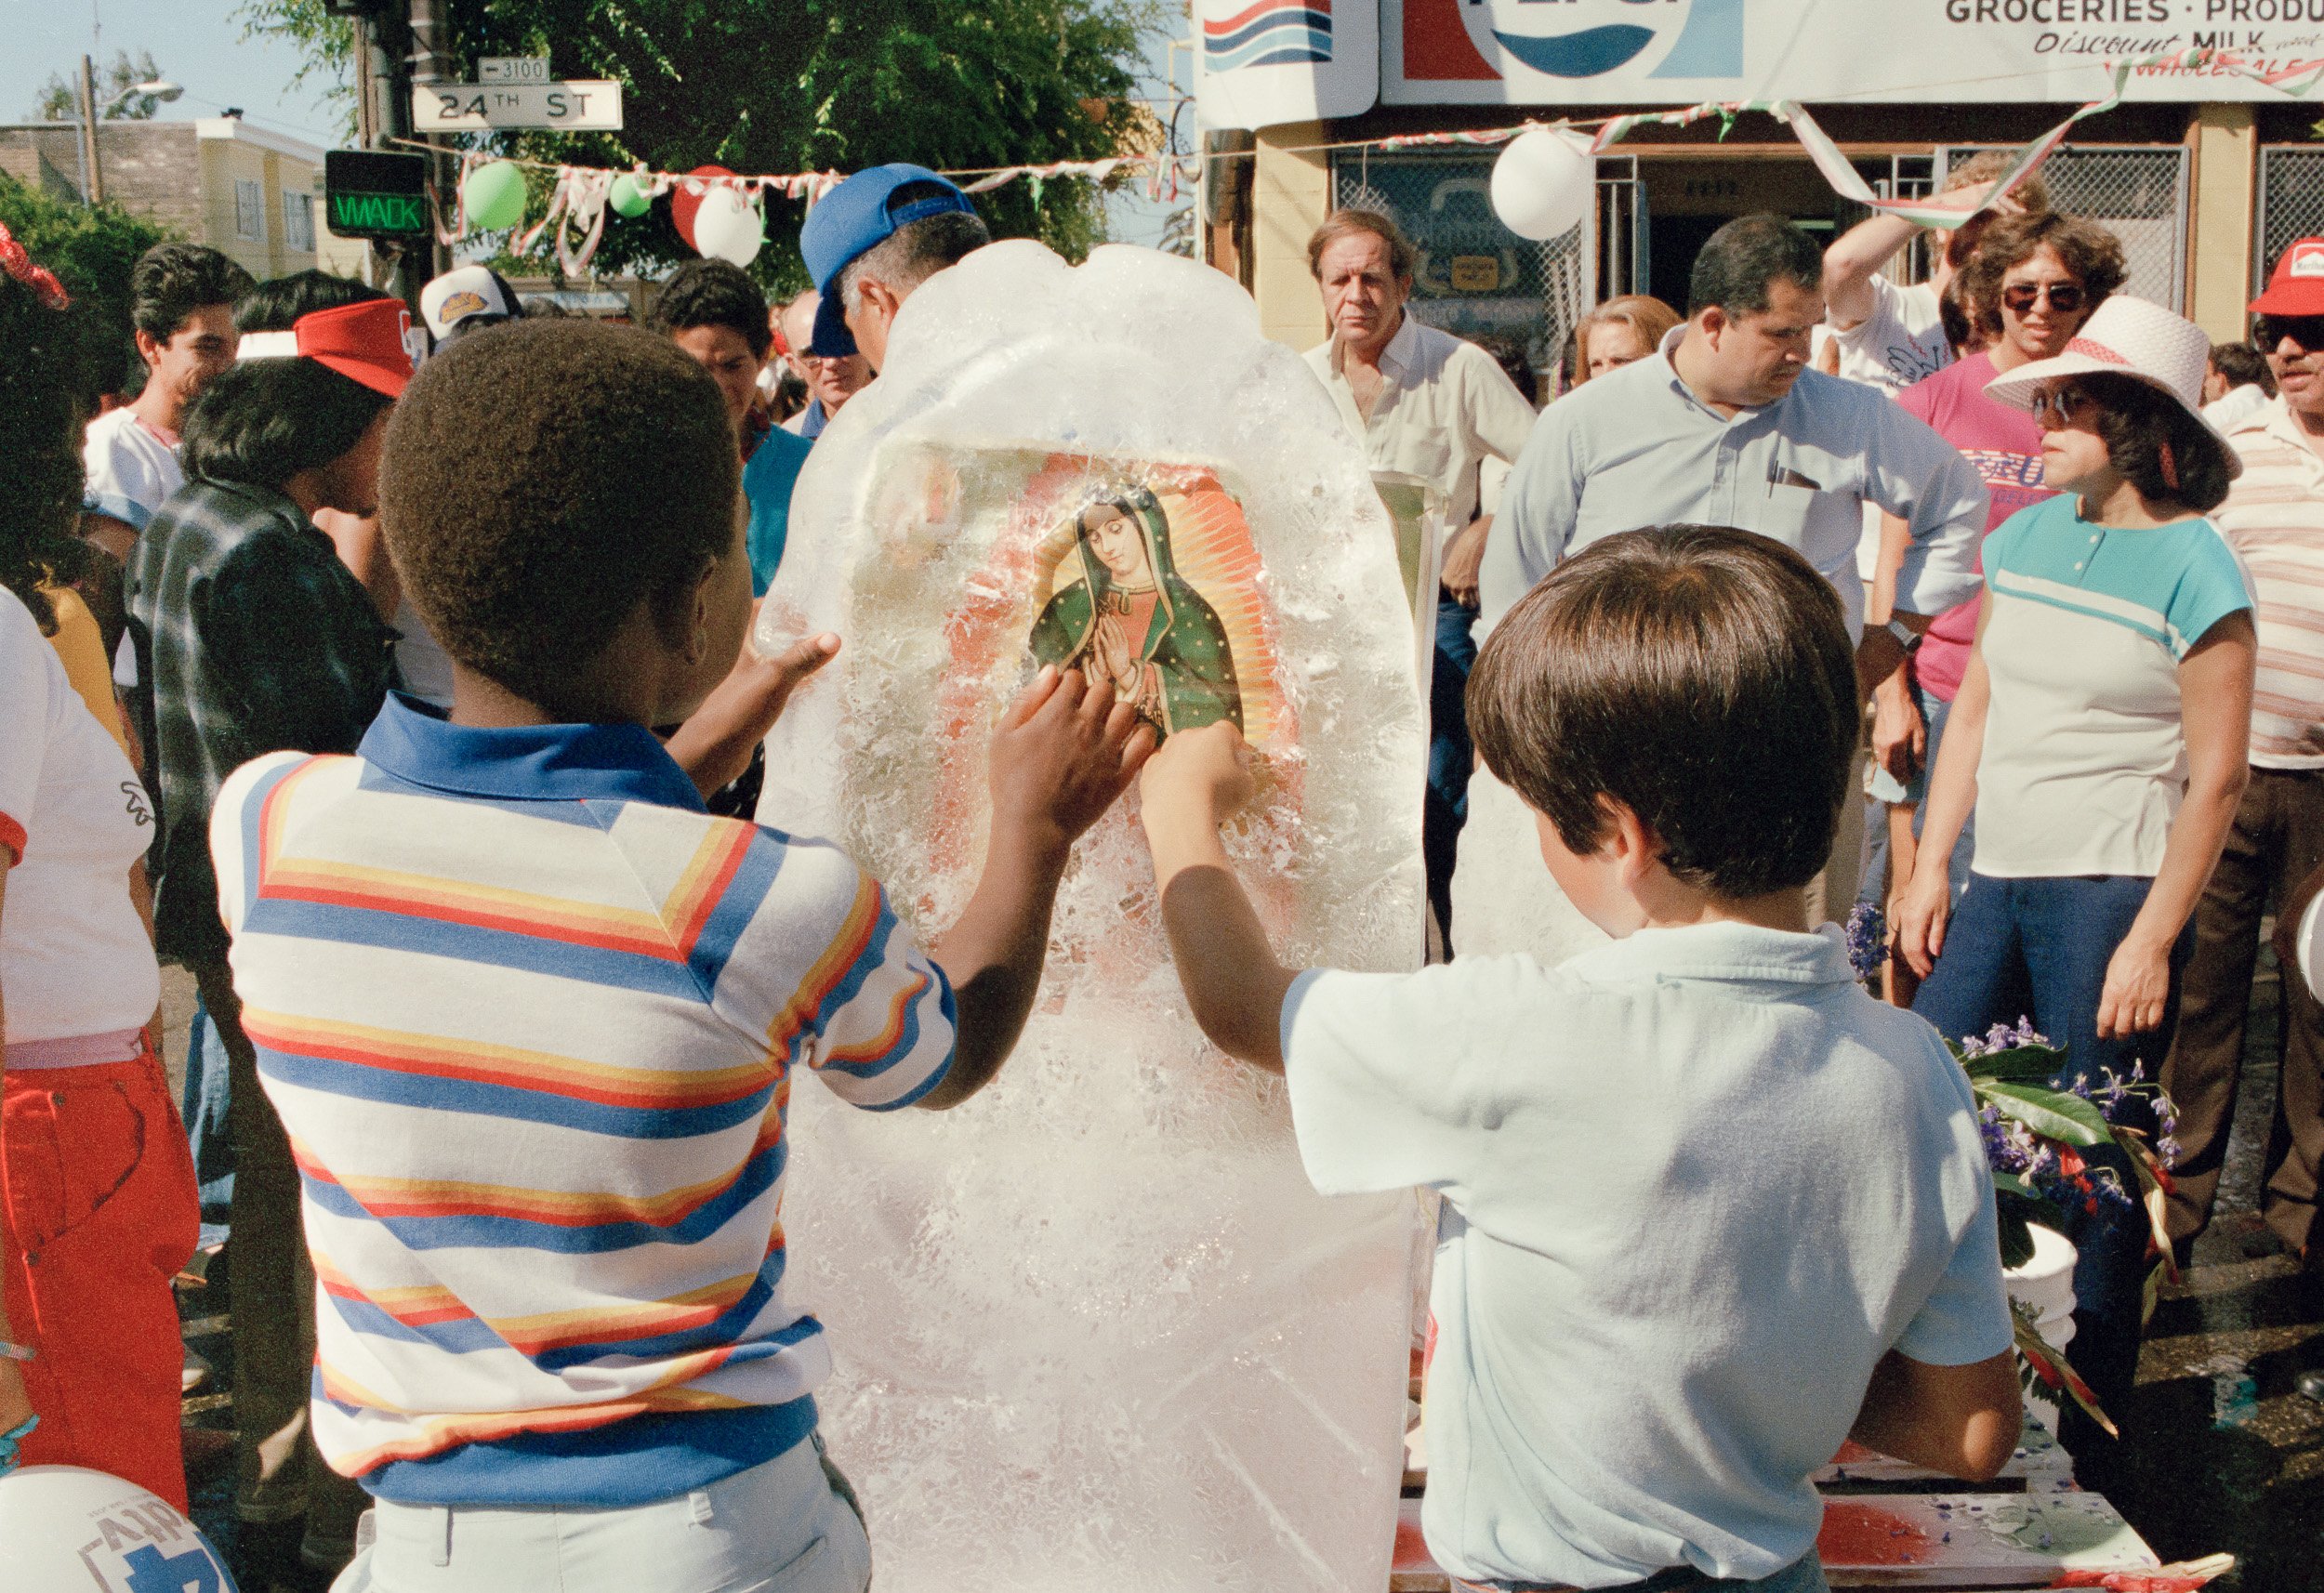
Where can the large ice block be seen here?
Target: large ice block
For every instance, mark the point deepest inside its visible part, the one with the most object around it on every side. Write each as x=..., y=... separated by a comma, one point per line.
x=1093, y=1330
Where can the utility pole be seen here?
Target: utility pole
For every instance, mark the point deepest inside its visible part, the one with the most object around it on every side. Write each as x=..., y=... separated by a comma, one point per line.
x=426, y=67
x=92, y=175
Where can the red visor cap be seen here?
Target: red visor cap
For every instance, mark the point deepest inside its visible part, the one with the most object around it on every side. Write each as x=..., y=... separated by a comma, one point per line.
x=363, y=342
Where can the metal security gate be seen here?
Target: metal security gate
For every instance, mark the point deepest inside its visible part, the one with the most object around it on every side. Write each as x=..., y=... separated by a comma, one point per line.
x=2292, y=204
x=1474, y=278
x=2137, y=192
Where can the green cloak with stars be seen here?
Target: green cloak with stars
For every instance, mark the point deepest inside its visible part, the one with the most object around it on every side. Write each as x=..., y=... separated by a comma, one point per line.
x=1185, y=642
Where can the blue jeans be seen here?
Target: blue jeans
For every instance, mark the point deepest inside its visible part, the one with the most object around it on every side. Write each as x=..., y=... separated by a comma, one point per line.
x=1450, y=756
x=779, y=1527
x=2057, y=935
x=203, y=1105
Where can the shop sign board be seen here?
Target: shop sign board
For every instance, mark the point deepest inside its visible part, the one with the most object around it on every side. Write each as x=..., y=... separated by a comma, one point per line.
x=1630, y=52
x=1263, y=63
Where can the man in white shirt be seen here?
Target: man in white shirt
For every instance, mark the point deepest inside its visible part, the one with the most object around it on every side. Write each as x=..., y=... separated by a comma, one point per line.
x=1425, y=404
x=182, y=303
x=1892, y=336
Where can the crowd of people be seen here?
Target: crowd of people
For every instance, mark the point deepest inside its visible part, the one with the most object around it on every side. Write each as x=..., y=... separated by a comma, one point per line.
x=394, y=682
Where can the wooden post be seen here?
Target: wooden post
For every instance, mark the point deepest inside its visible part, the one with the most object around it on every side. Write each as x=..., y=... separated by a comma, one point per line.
x=2221, y=218
x=94, y=193
x=1291, y=196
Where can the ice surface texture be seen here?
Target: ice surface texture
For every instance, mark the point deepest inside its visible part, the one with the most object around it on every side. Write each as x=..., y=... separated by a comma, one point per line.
x=1093, y=1330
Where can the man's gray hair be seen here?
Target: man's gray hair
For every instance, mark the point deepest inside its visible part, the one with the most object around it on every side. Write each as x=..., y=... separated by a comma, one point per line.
x=913, y=253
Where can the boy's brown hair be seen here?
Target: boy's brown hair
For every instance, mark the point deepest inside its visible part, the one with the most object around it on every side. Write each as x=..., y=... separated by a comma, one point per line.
x=1699, y=675
x=541, y=479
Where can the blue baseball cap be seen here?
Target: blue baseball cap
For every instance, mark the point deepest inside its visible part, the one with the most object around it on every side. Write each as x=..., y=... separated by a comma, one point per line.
x=858, y=214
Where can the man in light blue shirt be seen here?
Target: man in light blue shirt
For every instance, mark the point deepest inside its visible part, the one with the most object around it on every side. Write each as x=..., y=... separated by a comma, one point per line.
x=1726, y=425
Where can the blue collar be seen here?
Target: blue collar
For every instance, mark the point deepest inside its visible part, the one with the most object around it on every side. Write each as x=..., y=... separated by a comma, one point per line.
x=535, y=763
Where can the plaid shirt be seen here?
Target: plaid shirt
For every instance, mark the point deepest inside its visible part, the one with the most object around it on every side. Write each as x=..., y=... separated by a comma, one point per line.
x=253, y=639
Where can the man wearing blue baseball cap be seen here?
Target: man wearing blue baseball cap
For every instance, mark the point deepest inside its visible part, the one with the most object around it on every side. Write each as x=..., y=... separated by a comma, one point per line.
x=873, y=240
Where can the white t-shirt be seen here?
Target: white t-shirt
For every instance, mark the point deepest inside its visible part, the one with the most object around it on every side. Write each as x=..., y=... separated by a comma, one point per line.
x=1696, y=1183
x=1900, y=342
x=132, y=468
x=74, y=959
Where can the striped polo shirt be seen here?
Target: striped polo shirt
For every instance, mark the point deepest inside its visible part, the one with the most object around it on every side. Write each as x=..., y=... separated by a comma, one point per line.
x=531, y=1018
x=2273, y=518
x=2084, y=761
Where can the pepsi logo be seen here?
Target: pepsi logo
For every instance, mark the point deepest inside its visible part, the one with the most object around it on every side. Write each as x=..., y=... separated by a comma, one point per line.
x=1590, y=38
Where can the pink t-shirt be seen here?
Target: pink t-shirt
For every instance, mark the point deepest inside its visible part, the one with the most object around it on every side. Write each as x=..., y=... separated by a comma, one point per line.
x=2005, y=446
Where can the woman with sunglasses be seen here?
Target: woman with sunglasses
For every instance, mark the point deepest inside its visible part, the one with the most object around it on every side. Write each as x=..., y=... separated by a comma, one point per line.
x=2048, y=273
x=2100, y=734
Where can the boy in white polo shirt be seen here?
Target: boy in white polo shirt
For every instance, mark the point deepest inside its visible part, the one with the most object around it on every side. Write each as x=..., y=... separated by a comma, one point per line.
x=1708, y=1208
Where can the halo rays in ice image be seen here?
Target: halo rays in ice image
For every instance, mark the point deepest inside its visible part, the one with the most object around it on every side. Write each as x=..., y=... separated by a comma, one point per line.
x=1093, y=1329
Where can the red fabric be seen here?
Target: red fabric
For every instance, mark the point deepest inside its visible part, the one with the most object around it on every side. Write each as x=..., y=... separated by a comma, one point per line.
x=97, y=1213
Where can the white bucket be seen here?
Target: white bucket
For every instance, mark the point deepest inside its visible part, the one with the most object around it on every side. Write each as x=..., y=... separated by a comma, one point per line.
x=2045, y=1284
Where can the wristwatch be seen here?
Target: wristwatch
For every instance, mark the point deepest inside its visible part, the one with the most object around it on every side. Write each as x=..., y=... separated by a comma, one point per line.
x=1907, y=638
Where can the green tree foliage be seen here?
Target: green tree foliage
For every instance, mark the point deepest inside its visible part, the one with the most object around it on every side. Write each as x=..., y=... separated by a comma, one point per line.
x=791, y=85
x=92, y=252
x=59, y=98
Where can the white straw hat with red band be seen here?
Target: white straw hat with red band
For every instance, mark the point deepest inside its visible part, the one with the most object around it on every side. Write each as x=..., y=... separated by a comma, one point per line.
x=2127, y=337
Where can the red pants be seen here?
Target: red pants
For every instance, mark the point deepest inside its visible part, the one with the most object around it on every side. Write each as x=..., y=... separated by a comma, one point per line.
x=97, y=1213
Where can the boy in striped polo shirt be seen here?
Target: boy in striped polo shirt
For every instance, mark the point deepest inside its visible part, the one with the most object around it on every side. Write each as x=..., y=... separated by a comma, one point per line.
x=530, y=1015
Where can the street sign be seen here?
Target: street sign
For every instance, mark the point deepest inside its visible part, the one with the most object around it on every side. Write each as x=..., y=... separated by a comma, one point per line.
x=367, y=193
x=473, y=107
x=499, y=71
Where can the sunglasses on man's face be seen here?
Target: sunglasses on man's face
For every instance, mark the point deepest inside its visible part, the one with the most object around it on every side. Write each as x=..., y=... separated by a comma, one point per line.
x=2056, y=409
x=2269, y=331
x=2065, y=297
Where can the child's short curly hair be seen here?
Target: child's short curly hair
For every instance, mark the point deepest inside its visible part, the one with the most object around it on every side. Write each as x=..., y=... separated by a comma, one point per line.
x=1699, y=675
x=539, y=484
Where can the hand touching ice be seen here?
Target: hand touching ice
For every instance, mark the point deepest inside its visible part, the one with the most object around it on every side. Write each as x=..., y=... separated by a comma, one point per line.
x=1064, y=751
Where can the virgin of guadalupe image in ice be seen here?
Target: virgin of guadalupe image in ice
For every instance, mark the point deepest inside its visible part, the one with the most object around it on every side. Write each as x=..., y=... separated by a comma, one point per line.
x=1122, y=613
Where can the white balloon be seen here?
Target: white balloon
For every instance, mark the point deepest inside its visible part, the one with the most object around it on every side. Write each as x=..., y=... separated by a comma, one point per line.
x=1544, y=184
x=728, y=227
x=59, y=1525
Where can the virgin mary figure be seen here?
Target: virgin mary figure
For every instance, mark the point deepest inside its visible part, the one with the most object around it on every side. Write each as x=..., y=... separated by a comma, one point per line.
x=1122, y=613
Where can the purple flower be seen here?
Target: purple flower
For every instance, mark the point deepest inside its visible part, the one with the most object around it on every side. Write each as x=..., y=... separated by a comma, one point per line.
x=1867, y=939
x=2167, y=1151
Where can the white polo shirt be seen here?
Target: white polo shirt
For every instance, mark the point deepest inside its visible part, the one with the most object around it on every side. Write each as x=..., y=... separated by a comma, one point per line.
x=1448, y=406
x=74, y=958
x=2085, y=758
x=1635, y=1362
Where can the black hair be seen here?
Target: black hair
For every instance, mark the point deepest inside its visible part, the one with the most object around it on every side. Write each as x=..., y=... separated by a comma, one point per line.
x=715, y=292
x=1742, y=260
x=540, y=484
x=272, y=305
x=917, y=250
x=40, y=438
x=2243, y=367
x=2138, y=424
x=171, y=281
x=1699, y=675
x=264, y=421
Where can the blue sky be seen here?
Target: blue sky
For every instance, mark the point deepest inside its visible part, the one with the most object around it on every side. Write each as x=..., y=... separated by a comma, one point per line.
x=199, y=44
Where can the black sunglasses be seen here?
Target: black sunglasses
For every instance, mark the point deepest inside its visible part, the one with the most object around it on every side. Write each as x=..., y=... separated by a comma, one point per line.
x=2065, y=297
x=2269, y=331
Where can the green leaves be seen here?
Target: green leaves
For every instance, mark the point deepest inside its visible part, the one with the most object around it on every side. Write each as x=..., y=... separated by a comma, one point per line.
x=775, y=86
x=2052, y=1114
x=2019, y=1062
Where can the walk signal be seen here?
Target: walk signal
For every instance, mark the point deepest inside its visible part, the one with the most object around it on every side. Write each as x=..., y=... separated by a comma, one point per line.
x=370, y=194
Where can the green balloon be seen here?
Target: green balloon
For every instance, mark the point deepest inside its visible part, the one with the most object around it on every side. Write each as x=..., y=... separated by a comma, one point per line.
x=494, y=196
x=628, y=197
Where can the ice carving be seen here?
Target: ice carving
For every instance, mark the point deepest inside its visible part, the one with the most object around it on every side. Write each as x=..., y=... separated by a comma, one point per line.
x=1093, y=1330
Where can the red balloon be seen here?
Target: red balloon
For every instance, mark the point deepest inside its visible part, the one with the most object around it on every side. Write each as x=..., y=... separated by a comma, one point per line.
x=682, y=204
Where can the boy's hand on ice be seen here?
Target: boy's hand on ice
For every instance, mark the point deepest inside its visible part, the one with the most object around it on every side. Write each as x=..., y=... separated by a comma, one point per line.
x=1063, y=751
x=1200, y=776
